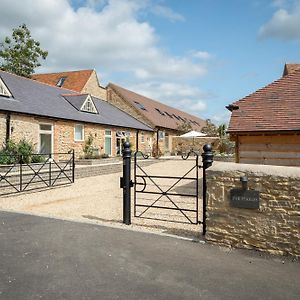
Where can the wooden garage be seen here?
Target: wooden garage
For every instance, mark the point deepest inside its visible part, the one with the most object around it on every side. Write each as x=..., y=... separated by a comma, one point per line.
x=266, y=124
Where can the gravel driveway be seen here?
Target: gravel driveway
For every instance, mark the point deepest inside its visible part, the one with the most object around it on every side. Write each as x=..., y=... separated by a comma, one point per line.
x=99, y=199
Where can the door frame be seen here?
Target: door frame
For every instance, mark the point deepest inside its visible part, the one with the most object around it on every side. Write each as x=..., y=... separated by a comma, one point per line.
x=46, y=132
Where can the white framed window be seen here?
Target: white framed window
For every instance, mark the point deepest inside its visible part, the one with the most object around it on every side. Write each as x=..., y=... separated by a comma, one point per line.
x=4, y=91
x=108, y=142
x=142, y=137
x=161, y=135
x=78, y=133
x=89, y=106
x=45, y=138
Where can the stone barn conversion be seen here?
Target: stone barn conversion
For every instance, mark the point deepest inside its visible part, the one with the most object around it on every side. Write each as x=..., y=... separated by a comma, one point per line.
x=266, y=124
x=57, y=120
x=83, y=81
x=163, y=119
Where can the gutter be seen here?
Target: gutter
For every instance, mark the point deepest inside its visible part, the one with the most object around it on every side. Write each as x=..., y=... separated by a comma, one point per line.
x=8, y=127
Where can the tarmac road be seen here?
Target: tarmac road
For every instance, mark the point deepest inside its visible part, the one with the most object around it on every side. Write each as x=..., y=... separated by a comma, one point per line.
x=44, y=258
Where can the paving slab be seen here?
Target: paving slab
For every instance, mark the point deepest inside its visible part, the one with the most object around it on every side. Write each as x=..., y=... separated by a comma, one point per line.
x=45, y=258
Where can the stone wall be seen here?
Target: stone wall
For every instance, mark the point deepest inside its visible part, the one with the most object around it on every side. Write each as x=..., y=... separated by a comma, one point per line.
x=23, y=126
x=2, y=128
x=94, y=88
x=27, y=127
x=117, y=101
x=180, y=144
x=274, y=227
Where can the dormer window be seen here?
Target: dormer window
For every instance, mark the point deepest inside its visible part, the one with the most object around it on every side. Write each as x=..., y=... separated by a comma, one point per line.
x=159, y=111
x=61, y=81
x=140, y=105
x=89, y=106
x=169, y=115
x=4, y=91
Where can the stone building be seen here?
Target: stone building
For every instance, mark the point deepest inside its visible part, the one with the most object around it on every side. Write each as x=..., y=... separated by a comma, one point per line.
x=57, y=120
x=82, y=81
x=163, y=119
x=266, y=124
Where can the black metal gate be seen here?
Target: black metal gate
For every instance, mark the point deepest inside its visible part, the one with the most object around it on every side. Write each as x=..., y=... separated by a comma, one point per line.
x=35, y=171
x=168, y=198
x=145, y=184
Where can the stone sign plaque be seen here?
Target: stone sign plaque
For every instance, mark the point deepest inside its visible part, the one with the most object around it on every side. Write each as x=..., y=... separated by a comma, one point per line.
x=242, y=198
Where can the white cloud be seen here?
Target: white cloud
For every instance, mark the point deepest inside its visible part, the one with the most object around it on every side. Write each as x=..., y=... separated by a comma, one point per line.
x=182, y=96
x=108, y=35
x=221, y=118
x=284, y=25
x=201, y=55
x=110, y=38
x=167, y=12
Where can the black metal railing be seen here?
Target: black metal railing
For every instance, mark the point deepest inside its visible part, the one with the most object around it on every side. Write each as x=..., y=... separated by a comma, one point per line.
x=35, y=171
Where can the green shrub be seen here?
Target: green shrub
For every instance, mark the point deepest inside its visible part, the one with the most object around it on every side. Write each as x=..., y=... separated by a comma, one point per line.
x=24, y=151
x=88, y=148
x=21, y=152
x=37, y=158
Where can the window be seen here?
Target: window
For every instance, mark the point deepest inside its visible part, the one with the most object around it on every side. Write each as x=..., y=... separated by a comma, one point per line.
x=169, y=115
x=108, y=141
x=140, y=105
x=176, y=117
x=159, y=111
x=79, y=133
x=45, y=127
x=4, y=90
x=161, y=135
x=45, y=139
x=89, y=106
x=142, y=137
x=61, y=81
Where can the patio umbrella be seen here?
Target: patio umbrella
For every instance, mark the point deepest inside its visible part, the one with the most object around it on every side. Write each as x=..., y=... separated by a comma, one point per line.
x=193, y=134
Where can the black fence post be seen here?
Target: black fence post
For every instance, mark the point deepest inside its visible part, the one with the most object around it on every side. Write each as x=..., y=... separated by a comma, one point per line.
x=126, y=183
x=73, y=166
x=207, y=160
x=49, y=159
x=21, y=172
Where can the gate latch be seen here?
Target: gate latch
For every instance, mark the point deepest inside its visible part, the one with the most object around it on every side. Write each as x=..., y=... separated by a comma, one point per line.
x=122, y=183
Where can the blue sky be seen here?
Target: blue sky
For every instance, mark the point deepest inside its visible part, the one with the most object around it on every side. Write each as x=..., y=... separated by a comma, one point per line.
x=196, y=55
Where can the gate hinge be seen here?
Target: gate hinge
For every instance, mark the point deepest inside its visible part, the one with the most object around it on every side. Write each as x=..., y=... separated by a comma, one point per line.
x=122, y=183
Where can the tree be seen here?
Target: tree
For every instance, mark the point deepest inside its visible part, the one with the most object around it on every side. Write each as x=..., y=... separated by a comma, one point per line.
x=210, y=129
x=184, y=127
x=20, y=53
x=222, y=130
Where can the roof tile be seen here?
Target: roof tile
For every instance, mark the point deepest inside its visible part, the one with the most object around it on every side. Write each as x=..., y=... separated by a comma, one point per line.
x=157, y=113
x=275, y=107
x=75, y=80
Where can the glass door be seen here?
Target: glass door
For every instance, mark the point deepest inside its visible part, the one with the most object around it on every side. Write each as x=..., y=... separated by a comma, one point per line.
x=45, y=146
x=108, y=142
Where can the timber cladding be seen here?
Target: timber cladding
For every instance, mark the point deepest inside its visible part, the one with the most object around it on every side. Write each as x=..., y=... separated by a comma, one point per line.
x=281, y=150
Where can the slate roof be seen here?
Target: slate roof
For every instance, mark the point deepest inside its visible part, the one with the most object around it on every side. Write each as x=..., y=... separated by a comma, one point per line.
x=76, y=100
x=35, y=98
x=157, y=113
x=275, y=107
x=75, y=80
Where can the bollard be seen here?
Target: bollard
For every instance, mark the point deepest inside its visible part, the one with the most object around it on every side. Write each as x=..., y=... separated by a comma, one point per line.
x=126, y=183
x=207, y=160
